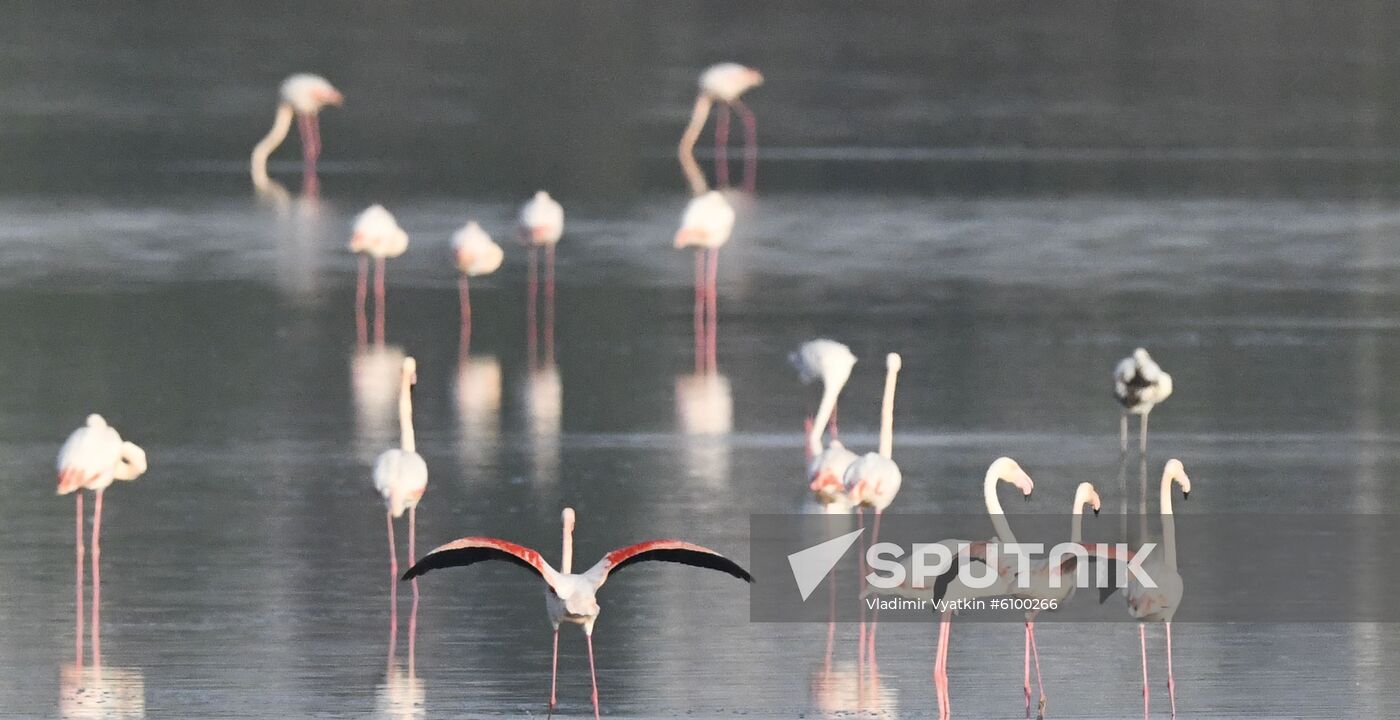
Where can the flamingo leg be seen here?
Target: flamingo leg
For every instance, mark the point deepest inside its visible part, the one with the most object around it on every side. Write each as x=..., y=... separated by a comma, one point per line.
x=940, y=668
x=1142, y=639
x=1026, y=670
x=860, y=587
x=1142, y=433
x=554, y=672
x=750, y=145
x=1035, y=658
x=874, y=614
x=700, y=338
x=393, y=554
x=1171, y=679
x=413, y=613
x=831, y=426
x=722, y=145
x=532, y=290
x=712, y=310
x=549, y=304
x=379, y=301
x=78, y=626
x=464, y=295
x=593, y=674
x=361, y=293
x=97, y=581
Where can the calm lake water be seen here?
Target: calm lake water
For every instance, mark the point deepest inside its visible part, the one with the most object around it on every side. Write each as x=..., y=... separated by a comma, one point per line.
x=1012, y=223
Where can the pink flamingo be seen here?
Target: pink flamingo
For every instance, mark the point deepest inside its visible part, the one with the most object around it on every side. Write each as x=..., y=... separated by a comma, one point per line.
x=541, y=225
x=723, y=84
x=91, y=459
x=706, y=226
x=376, y=234
x=1159, y=604
x=476, y=254
x=302, y=95
x=570, y=597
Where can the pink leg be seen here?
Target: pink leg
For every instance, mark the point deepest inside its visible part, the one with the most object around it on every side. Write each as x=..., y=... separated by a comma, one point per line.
x=532, y=291
x=361, y=292
x=97, y=581
x=806, y=431
x=379, y=302
x=413, y=614
x=1035, y=658
x=308, y=149
x=713, y=311
x=393, y=579
x=700, y=338
x=940, y=668
x=1142, y=638
x=1171, y=679
x=1026, y=670
x=593, y=674
x=464, y=295
x=549, y=304
x=722, y=145
x=860, y=587
x=831, y=426
x=78, y=626
x=875, y=614
x=554, y=672
x=750, y=145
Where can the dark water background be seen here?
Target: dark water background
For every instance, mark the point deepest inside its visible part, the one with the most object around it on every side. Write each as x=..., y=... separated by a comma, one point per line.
x=1011, y=195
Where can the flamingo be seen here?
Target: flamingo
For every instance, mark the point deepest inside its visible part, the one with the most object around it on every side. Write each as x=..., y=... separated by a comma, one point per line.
x=91, y=459
x=831, y=362
x=376, y=234
x=570, y=597
x=948, y=589
x=1139, y=384
x=723, y=84
x=706, y=225
x=302, y=95
x=541, y=225
x=1041, y=584
x=873, y=480
x=476, y=254
x=1159, y=604
x=400, y=475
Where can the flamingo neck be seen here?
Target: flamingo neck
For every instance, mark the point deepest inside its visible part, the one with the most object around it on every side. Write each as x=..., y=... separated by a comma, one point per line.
x=567, y=564
x=1168, y=522
x=824, y=411
x=989, y=496
x=280, y=125
x=1076, y=520
x=132, y=463
x=406, y=439
x=686, y=151
x=887, y=416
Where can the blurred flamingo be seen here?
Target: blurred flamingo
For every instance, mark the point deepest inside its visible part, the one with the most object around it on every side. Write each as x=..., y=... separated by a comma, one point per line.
x=476, y=254
x=1139, y=384
x=302, y=95
x=400, y=477
x=723, y=84
x=376, y=234
x=541, y=225
x=706, y=226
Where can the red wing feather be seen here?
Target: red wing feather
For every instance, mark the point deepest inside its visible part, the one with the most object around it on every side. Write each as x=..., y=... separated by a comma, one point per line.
x=472, y=550
x=675, y=551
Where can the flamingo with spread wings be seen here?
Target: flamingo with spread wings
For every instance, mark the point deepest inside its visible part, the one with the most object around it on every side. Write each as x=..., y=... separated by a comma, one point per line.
x=570, y=597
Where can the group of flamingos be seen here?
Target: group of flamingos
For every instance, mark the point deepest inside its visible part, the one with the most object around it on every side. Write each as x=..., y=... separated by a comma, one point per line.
x=95, y=455
x=844, y=482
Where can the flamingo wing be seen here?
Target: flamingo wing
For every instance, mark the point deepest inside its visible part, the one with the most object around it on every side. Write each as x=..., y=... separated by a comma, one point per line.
x=1108, y=554
x=675, y=551
x=472, y=550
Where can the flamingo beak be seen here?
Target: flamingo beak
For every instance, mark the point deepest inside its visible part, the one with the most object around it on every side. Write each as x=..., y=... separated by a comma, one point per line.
x=1186, y=495
x=1096, y=512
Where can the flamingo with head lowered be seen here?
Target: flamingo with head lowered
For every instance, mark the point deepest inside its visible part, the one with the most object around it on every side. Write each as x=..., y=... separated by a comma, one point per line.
x=721, y=84
x=832, y=362
x=302, y=95
x=569, y=597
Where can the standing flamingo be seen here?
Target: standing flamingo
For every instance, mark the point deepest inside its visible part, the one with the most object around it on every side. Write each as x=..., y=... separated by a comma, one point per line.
x=706, y=226
x=400, y=475
x=541, y=225
x=723, y=84
x=376, y=234
x=1159, y=604
x=476, y=254
x=572, y=597
x=1139, y=384
x=831, y=362
x=302, y=95
x=91, y=459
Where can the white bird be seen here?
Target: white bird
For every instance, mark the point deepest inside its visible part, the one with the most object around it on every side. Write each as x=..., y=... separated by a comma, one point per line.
x=950, y=587
x=476, y=254
x=1160, y=603
x=1139, y=384
x=91, y=459
x=376, y=234
x=400, y=475
x=541, y=225
x=831, y=362
x=302, y=95
x=723, y=84
x=570, y=597
x=873, y=480
x=706, y=225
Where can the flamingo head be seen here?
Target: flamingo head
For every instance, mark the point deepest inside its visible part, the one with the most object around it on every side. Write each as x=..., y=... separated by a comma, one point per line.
x=1175, y=471
x=568, y=519
x=410, y=371
x=1010, y=471
x=1086, y=494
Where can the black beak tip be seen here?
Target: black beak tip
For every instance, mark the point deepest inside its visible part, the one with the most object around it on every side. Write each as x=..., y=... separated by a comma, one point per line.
x=1096, y=512
x=1186, y=496
x=1026, y=497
